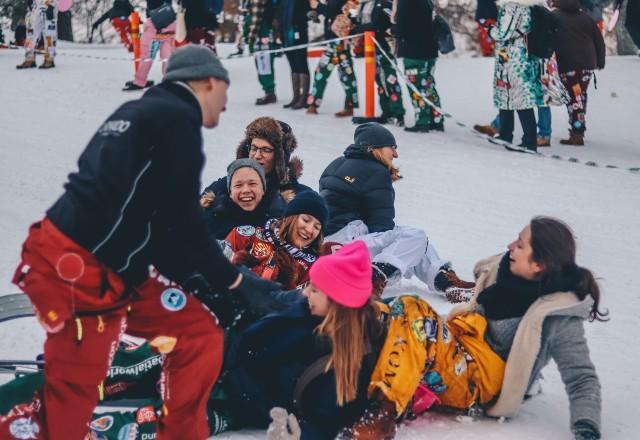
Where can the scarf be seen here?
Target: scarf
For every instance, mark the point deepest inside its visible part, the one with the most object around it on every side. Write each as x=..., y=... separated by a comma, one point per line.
x=272, y=236
x=511, y=295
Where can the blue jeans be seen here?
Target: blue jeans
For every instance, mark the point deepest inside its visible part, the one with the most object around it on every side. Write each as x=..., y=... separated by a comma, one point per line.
x=544, y=122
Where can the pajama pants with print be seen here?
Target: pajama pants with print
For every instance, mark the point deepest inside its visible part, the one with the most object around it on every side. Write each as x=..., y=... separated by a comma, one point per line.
x=577, y=82
x=420, y=74
x=335, y=55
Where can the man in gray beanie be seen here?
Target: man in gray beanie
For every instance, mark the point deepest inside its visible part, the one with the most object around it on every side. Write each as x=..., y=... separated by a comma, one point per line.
x=131, y=205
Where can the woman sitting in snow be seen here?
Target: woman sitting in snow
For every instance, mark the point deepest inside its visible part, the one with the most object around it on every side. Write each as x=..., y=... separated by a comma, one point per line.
x=284, y=249
x=358, y=188
x=312, y=359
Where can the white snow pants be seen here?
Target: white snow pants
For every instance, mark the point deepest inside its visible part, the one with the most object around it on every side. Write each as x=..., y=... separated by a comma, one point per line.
x=39, y=24
x=404, y=247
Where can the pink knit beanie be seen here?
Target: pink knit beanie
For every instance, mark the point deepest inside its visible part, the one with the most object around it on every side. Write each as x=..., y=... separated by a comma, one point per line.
x=345, y=276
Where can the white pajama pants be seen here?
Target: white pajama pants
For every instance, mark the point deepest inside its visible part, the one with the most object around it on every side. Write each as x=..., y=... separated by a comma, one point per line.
x=39, y=25
x=404, y=247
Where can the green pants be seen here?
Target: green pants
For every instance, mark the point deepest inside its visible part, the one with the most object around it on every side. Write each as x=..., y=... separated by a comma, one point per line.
x=264, y=62
x=420, y=74
x=389, y=90
x=335, y=55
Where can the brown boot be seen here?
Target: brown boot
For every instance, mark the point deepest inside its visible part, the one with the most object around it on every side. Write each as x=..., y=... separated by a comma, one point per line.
x=344, y=113
x=377, y=423
x=544, y=142
x=485, y=129
x=575, y=138
x=48, y=63
x=312, y=110
x=27, y=64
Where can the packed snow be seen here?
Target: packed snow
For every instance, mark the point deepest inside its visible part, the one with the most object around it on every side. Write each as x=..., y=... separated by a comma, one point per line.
x=470, y=196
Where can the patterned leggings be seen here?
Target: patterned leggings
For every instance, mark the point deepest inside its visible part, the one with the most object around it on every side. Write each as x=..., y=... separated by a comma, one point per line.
x=576, y=82
x=335, y=55
x=420, y=74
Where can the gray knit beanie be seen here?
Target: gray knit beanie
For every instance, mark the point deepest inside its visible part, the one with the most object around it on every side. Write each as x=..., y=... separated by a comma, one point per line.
x=245, y=163
x=192, y=62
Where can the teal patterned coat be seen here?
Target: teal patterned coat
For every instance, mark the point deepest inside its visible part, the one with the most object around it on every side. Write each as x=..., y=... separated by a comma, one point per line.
x=516, y=78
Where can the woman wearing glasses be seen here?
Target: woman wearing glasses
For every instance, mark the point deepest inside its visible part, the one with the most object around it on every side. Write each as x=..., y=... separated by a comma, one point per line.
x=270, y=143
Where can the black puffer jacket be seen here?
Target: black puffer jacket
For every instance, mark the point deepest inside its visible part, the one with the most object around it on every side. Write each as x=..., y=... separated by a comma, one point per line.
x=414, y=29
x=358, y=187
x=580, y=43
x=224, y=214
x=134, y=199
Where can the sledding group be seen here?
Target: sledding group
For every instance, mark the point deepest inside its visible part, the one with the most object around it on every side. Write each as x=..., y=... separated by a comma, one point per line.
x=283, y=324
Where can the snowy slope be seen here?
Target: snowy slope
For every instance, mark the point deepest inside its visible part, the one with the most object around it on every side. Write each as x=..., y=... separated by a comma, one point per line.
x=471, y=197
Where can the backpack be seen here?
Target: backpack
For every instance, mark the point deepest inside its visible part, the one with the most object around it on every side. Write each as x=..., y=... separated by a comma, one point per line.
x=545, y=26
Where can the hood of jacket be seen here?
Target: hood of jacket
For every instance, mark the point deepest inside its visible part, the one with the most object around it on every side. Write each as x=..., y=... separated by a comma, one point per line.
x=355, y=151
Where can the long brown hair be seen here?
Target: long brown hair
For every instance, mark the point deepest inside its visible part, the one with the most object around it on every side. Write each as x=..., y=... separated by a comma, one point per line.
x=394, y=170
x=286, y=228
x=349, y=331
x=553, y=246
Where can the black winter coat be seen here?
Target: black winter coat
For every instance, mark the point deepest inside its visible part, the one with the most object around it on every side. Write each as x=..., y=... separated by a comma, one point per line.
x=414, y=29
x=224, y=214
x=134, y=199
x=486, y=9
x=266, y=362
x=379, y=22
x=330, y=11
x=358, y=187
x=197, y=16
x=580, y=43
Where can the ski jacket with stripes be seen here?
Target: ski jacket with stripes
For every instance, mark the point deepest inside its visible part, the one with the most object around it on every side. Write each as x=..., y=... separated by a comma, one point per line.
x=134, y=199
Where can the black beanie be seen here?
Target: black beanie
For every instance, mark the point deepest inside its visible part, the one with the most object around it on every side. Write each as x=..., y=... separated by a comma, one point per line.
x=374, y=135
x=308, y=202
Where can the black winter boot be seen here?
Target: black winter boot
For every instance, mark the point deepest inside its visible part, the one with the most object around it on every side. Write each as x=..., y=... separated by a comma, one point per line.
x=304, y=91
x=295, y=84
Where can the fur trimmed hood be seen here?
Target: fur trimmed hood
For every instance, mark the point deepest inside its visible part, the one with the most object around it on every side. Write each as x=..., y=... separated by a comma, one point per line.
x=501, y=3
x=287, y=168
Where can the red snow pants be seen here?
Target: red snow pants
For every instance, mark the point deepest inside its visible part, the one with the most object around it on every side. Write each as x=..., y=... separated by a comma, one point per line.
x=123, y=26
x=66, y=284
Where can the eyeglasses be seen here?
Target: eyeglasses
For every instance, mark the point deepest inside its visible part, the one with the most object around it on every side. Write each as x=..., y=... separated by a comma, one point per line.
x=264, y=150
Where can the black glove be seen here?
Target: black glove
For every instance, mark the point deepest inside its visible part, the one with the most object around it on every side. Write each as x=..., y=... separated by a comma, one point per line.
x=225, y=305
x=261, y=296
x=585, y=430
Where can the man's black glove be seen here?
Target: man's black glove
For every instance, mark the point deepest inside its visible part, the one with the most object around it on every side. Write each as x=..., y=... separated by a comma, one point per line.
x=226, y=305
x=585, y=430
x=262, y=296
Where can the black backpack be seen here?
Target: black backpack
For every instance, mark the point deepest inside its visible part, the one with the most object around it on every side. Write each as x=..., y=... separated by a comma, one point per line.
x=545, y=26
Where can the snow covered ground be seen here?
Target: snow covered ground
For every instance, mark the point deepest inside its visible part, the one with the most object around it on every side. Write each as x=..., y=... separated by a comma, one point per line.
x=471, y=197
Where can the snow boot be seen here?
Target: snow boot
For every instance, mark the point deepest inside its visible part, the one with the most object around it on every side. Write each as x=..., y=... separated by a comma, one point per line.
x=344, y=113
x=544, y=141
x=382, y=272
x=295, y=84
x=47, y=64
x=418, y=129
x=485, y=129
x=304, y=92
x=454, y=289
x=312, y=110
x=268, y=98
x=27, y=64
x=436, y=126
x=398, y=121
x=575, y=138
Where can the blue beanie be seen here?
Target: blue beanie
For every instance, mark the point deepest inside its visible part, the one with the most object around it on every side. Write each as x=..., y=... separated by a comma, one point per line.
x=308, y=202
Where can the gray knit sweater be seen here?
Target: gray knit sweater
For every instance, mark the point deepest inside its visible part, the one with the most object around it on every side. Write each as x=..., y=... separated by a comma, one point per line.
x=552, y=328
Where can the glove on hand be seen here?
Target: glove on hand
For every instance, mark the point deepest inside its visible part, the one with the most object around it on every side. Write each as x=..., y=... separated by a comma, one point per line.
x=585, y=430
x=284, y=426
x=225, y=305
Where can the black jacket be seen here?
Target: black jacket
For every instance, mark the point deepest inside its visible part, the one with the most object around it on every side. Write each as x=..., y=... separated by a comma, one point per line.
x=224, y=215
x=379, y=21
x=414, y=29
x=121, y=8
x=358, y=187
x=134, y=199
x=197, y=16
x=271, y=355
x=580, y=43
x=486, y=9
x=330, y=11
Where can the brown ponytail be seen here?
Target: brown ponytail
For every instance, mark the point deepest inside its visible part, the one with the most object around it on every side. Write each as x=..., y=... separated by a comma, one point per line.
x=554, y=247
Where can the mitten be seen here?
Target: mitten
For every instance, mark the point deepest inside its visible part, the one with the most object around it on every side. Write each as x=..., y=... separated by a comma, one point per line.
x=284, y=426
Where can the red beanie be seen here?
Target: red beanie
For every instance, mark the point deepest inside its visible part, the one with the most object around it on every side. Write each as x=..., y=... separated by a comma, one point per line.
x=345, y=276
